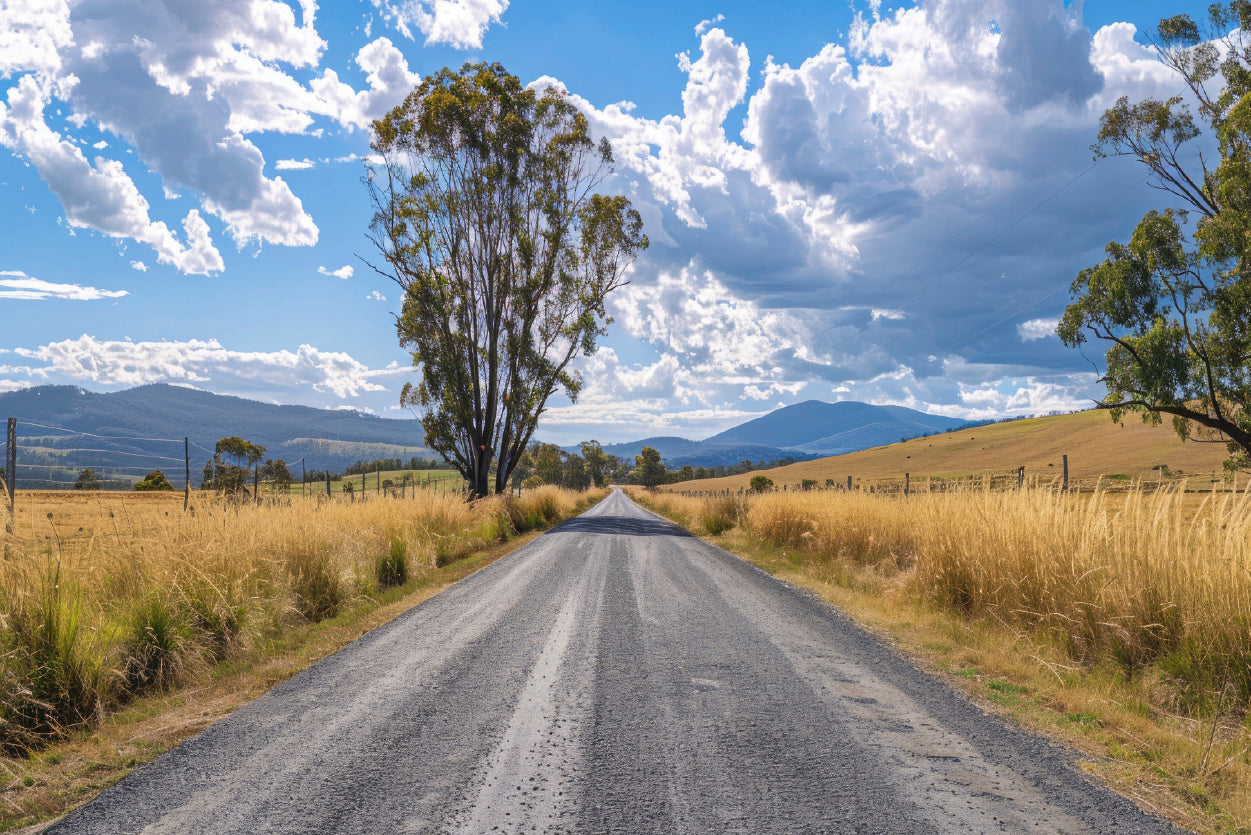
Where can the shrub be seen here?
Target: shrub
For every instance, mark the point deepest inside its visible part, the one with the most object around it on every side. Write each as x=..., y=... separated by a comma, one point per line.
x=158, y=648
x=49, y=680
x=719, y=514
x=315, y=585
x=391, y=569
x=154, y=480
x=761, y=483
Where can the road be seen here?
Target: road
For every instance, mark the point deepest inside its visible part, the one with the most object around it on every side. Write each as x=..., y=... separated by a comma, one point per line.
x=615, y=675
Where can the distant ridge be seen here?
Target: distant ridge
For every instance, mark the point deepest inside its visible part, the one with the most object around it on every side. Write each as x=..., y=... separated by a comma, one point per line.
x=803, y=431
x=132, y=424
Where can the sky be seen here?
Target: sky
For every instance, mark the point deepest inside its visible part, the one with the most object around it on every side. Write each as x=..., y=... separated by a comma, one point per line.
x=867, y=200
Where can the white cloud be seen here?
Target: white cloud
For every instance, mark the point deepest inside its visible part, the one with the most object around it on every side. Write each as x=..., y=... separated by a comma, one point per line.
x=294, y=164
x=376, y=297
x=139, y=265
x=17, y=285
x=203, y=361
x=32, y=34
x=456, y=23
x=1036, y=329
x=344, y=272
x=389, y=82
x=100, y=196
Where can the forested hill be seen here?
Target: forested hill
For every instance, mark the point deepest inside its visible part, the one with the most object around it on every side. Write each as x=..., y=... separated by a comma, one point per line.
x=143, y=421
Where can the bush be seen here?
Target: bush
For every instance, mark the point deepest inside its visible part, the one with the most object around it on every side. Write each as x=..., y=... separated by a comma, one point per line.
x=719, y=514
x=316, y=587
x=761, y=483
x=391, y=569
x=49, y=680
x=154, y=480
x=158, y=648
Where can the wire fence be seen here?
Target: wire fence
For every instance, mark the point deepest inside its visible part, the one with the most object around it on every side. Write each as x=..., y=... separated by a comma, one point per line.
x=55, y=458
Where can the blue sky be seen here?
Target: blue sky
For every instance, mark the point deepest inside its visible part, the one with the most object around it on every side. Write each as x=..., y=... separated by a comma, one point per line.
x=871, y=200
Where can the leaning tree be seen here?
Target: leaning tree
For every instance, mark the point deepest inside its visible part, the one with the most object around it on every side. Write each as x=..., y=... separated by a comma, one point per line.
x=487, y=215
x=1174, y=303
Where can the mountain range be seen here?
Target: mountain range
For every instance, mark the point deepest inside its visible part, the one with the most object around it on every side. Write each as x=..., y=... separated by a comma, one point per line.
x=812, y=429
x=63, y=429
x=126, y=433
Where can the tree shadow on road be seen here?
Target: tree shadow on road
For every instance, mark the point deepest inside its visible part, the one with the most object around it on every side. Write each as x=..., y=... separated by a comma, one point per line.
x=619, y=526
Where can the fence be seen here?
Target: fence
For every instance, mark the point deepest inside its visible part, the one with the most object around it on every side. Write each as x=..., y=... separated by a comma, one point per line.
x=1016, y=479
x=65, y=459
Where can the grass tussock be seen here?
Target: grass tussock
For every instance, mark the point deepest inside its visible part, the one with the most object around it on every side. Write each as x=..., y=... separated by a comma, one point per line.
x=1142, y=596
x=109, y=597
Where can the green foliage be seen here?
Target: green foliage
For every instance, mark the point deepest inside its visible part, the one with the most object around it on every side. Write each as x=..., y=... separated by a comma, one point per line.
x=599, y=464
x=315, y=585
x=154, y=480
x=49, y=679
x=277, y=474
x=230, y=467
x=158, y=647
x=486, y=213
x=648, y=469
x=391, y=569
x=87, y=480
x=1174, y=303
x=760, y=483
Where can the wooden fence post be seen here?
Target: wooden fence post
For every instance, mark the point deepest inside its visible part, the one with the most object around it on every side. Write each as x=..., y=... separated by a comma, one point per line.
x=186, y=452
x=907, y=482
x=848, y=484
x=1020, y=477
x=1065, y=459
x=10, y=465
x=328, y=484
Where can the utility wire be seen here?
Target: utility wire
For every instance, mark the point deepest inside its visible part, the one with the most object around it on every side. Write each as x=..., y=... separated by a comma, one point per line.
x=91, y=435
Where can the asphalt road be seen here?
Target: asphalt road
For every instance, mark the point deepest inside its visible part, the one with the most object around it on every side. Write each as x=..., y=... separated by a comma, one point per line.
x=616, y=675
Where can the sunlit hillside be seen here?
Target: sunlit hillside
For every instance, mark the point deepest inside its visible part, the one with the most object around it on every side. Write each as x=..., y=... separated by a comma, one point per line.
x=1094, y=444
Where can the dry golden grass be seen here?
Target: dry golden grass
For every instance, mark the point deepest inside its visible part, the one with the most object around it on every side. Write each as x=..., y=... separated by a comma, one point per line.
x=1094, y=444
x=1119, y=622
x=107, y=596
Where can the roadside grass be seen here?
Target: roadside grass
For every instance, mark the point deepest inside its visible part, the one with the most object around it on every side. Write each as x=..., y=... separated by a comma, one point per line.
x=1119, y=624
x=144, y=628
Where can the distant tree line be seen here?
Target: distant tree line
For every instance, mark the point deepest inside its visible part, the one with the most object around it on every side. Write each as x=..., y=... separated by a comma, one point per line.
x=390, y=464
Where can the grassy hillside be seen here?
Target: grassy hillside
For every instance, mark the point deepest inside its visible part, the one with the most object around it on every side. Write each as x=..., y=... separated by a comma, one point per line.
x=1094, y=444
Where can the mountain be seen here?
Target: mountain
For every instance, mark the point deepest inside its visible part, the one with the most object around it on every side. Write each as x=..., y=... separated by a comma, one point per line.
x=67, y=428
x=815, y=428
x=803, y=431
x=678, y=452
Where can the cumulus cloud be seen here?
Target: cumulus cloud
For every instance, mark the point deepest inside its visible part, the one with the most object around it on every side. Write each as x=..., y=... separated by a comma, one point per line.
x=182, y=88
x=344, y=272
x=389, y=80
x=15, y=284
x=1036, y=329
x=456, y=23
x=99, y=196
x=202, y=361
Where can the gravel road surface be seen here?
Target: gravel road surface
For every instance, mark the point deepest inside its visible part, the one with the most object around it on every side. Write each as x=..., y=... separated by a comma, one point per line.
x=616, y=675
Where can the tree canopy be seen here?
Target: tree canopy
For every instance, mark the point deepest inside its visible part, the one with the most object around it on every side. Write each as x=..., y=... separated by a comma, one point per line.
x=649, y=470
x=1175, y=301
x=154, y=481
x=486, y=213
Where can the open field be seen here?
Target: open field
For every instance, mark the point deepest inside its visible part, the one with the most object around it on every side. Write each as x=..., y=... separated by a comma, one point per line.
x=1096, y=448
x=110, y=597
x=1121, y=622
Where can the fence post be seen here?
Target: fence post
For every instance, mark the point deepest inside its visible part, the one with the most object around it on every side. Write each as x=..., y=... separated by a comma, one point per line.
x=849, y=484
x=10, y=464
x=256, y=484
x=1020, y=477
x=186, y=454
x=328, y=496
x=907, y=482
x=1065, y=459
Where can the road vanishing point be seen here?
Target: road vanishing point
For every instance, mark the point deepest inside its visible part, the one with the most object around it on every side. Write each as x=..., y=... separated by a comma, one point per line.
x=616, y=675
